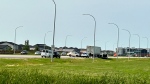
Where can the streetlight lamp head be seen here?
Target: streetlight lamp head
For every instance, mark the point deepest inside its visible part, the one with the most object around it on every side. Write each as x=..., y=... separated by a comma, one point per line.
x=18, y=27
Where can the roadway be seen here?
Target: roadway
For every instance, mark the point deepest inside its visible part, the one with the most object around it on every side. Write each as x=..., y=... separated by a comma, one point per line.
x=28, y=56
x=38, y=56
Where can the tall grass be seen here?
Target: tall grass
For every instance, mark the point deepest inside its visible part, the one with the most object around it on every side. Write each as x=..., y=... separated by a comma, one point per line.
x=36, y=77
x=74, y=71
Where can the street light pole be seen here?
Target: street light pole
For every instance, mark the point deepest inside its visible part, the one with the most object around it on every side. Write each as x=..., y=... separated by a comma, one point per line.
x=129, y=41
x=147, y=45
x=66, y=39
x=94, y=32
x=15, y=39
x=45, y=37
x=113, y=46
x=105, y=44
x=139, y=45
x=53, y=46
x=81, y=41
x=118, y=37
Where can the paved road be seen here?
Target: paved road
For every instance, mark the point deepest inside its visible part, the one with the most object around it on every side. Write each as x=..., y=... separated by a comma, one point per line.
x=29, y=56
x=38, y=56
x=20, y=56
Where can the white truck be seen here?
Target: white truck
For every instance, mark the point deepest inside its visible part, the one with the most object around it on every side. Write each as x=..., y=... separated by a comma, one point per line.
x=90, y=51
x=46, y=53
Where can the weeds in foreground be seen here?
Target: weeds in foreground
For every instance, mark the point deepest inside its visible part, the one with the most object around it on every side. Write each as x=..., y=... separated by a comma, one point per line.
x=36, y=77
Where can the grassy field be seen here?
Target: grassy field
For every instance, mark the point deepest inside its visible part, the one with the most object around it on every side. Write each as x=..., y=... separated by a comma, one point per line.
x=75, y=71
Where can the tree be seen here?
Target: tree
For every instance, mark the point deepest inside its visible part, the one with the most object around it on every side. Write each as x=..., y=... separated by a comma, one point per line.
x=26, y=46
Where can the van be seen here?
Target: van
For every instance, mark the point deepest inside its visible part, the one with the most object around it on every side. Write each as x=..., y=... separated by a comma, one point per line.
x=46, y=53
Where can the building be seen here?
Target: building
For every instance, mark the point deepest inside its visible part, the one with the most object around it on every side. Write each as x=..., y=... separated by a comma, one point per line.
x=83, y=50
x=133, y=51
x=11, y=45
x=4, y=47
x=67, y=49
x=41, y=46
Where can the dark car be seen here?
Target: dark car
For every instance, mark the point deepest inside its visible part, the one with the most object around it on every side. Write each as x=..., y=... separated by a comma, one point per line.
x=56, y=54
x=24, y=52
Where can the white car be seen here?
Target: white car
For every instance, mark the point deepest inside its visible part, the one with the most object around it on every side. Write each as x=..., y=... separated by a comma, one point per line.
x=73, y=54
x=37, y=53
x=85, y=55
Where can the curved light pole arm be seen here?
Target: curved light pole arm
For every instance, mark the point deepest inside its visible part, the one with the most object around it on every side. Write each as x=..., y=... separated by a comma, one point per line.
x=94, y=33
x=118, y=38
x=66, y=39
x=15, y=39
x=129, y=39
x=81, y=41
x=44, y=40
x=105, y=44
x=139, y=44
x=113, y=46
x=147, y=45
x=53, y=46
x=45, y=37
x=54, y=24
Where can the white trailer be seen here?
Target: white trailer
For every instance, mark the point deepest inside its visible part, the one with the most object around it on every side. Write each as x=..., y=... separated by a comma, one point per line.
x=90, y=51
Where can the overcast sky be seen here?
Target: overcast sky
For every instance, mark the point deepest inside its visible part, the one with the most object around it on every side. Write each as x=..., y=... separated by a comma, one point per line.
x=37, y=18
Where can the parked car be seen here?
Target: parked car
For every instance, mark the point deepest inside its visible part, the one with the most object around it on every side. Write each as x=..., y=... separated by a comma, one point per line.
x=23, y=52
x=85, y=55
x=73, y=54
x=37, y=53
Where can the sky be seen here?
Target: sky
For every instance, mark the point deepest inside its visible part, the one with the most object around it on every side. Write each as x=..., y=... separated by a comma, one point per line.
x=37, y=18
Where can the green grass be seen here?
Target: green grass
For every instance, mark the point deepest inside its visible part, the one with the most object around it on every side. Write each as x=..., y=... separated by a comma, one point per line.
x=74, y=71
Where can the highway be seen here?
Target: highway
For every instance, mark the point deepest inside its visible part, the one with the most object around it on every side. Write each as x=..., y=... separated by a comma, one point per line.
x=63, y=57
x=19, y=56
x=30, y=56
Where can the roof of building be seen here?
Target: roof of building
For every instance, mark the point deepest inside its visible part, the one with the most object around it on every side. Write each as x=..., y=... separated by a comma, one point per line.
x=7, y=42
x=39, y=45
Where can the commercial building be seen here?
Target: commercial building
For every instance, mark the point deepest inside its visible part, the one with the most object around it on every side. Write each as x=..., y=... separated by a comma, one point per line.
x=133, y=51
